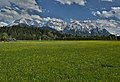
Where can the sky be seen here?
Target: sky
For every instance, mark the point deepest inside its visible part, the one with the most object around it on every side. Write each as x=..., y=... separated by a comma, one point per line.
x=60, y=9
x=80, y=9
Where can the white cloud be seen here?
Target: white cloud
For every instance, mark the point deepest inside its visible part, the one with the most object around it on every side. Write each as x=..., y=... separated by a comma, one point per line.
x=53, y=19
x=108, y=0
x=26, y=4
x=105, y=14
x=69, y=2
x=114, y=12
x=36, y=17
x=15, y=9
x=8, y=15
x=96, y=13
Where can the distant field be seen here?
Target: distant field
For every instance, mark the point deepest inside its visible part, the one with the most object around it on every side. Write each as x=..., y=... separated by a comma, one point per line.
x=60, y=61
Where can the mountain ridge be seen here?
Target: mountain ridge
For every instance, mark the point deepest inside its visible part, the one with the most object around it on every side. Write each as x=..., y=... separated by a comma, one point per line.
x=83, y=28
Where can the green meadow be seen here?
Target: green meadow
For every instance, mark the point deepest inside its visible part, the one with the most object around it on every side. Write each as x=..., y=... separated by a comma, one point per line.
x=60, y=61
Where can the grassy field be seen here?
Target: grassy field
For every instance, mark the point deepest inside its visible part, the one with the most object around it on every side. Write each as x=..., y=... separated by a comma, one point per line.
x=60, y=61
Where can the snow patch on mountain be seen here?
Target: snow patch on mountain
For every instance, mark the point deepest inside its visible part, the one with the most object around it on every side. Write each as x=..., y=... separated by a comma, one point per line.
x=3, y=24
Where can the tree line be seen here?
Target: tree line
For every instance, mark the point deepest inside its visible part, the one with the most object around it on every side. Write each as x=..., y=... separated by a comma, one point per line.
x=34, y=33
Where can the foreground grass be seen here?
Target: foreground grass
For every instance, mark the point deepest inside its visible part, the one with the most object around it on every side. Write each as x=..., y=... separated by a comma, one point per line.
x=60, y=61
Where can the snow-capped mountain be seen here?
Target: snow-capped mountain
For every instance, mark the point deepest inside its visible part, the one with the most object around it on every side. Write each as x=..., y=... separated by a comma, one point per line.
x=85, y=28
x=3, y=24
x=27, y=21
x=75, y=27
x=54, y=23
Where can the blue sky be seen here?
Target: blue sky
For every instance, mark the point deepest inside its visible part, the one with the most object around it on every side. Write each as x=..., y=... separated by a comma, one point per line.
x=53, y=8
x=10, y=10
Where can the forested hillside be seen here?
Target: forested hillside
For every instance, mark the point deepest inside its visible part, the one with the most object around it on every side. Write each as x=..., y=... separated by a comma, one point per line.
x=29, y=33
x=34, y=33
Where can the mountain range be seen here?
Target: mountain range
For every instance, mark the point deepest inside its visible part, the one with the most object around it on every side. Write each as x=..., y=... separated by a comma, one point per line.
x=75, y=27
